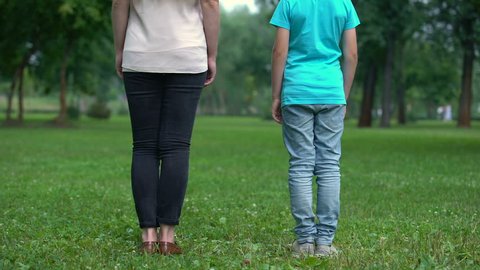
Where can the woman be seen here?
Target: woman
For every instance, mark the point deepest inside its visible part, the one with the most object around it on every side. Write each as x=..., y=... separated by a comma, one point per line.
x=166, y=53
x=309, y=90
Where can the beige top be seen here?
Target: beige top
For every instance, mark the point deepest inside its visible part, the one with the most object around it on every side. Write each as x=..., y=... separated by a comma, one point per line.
x=165, y=36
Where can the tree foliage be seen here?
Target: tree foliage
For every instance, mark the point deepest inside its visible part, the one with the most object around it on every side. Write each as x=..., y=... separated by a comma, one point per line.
x=419, y=54
x=57, y=39
x=457, y=23
x=243, y=64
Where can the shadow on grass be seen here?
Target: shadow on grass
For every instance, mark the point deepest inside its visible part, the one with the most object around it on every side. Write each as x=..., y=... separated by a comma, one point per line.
x=39, y=123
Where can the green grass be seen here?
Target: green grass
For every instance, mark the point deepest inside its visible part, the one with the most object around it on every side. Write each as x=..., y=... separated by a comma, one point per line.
x=410, y=199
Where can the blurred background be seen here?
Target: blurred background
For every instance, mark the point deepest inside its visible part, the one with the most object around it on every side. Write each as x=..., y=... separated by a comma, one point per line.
x=418, y=61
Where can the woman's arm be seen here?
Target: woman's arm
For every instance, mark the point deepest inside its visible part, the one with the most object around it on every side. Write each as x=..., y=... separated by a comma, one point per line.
x=211, y=25
x=279, y=57
x=350, y=59
x=120, y=9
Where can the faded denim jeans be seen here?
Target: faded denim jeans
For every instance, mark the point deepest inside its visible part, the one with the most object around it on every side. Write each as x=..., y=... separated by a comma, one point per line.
x=312, y=136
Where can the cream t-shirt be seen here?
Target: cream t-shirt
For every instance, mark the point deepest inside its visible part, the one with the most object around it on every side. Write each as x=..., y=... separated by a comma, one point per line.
x=165, y=36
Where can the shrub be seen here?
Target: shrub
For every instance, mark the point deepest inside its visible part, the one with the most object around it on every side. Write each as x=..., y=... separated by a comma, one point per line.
x=73, y=113
x=99, y=110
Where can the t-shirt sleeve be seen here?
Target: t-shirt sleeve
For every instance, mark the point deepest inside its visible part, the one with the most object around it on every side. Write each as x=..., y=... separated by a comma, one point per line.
x=281, y=16
x=352, y=17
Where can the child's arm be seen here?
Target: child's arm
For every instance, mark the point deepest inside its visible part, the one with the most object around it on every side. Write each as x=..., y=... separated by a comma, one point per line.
x=120, y=9
x=279, y=57
x=350, y=59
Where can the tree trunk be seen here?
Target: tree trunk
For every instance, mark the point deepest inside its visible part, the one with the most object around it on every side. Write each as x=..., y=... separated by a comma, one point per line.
x=20, y=95
x=431, y=110
x=466, y=98
x=18, y=75
x=401, y=117
x=222, y=102
x=402, y=110
x=387, y=90
x=13, y=85
x=368, y=96
x=62, y=115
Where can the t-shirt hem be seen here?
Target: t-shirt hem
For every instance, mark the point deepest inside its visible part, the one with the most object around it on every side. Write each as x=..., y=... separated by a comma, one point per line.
x=163, y=70
x=287, y=102
x=188, y=60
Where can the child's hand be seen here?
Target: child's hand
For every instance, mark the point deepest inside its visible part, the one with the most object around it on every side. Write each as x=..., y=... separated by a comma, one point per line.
x=277, y=111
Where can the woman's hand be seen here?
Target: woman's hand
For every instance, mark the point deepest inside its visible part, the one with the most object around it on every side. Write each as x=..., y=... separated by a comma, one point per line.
x=120, y=9
x=277, y=111
x=212, y=71
x=118, y=64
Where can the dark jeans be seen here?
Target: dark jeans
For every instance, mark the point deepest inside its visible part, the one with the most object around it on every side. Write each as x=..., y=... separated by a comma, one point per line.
x=162, y=113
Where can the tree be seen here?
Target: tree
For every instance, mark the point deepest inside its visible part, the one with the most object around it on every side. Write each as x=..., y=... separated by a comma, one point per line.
x=80, y=20
x=53, y=27
x=243, y=63
x=460, y=19
x=267, y=5
x=372, y=54
x=430, y=78
x=399, y=23
x=18, y=44
x=387, y=26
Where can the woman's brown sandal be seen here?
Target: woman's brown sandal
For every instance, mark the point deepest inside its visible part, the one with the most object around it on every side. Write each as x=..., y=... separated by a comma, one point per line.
x=149, y=247
x=167, y=248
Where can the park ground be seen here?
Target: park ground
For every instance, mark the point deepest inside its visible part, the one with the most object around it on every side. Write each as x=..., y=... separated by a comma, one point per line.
x=410, y=198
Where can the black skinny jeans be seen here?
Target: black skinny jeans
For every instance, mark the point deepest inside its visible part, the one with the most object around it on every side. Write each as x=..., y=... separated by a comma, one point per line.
x=162, y=113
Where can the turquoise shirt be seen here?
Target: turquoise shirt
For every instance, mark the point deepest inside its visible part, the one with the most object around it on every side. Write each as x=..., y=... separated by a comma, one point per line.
x=313, y=73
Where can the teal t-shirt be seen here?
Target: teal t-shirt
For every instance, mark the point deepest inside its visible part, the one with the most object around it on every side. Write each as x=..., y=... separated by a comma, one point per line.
x=313, y=72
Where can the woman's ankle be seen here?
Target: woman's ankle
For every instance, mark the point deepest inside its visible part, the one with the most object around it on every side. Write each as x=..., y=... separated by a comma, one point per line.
x=149, y=235
x=167, y=233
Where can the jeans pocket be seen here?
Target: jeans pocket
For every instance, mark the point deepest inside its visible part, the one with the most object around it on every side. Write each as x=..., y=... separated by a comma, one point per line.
x=336, y=116
x=344, y=111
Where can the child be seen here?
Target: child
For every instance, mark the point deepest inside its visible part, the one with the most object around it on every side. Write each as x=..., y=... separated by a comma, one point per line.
x=312, y=36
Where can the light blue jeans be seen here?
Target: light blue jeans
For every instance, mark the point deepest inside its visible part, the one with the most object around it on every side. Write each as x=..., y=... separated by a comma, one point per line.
x=312, y=135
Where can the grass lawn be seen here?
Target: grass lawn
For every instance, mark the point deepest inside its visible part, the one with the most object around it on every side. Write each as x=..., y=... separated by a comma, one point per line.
x=410, y=199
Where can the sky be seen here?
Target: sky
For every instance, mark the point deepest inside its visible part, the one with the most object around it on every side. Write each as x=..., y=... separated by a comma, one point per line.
x=230, y=4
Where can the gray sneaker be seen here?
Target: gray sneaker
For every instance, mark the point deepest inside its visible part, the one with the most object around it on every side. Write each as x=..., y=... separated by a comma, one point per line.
x=302, y=250
x=325, y=251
